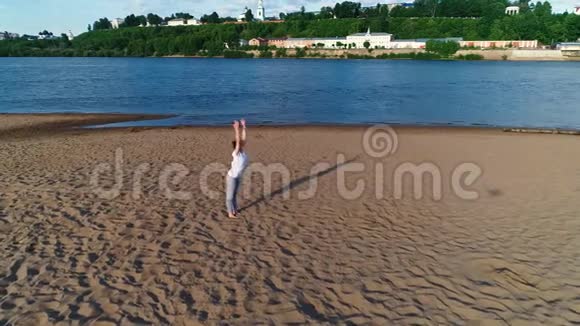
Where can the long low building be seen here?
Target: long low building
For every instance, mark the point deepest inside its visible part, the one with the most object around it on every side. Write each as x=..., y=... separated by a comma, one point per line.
x=407, y=44
x=317, y=42
x=421, y=43
x=354, y=41
x=382, y=41
x=519, y=44
x=184, y=22
x=569, y=48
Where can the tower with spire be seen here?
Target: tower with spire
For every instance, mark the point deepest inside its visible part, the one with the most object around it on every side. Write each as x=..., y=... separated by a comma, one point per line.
x=260, y=14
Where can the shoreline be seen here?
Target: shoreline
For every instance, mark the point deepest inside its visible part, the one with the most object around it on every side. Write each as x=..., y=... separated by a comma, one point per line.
x=48, y=123
x=25, y=124
x=521, y=59
x=493, y=58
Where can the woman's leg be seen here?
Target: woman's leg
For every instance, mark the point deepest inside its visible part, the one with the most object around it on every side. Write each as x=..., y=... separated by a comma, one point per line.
x=236, y=188
x=230, y=194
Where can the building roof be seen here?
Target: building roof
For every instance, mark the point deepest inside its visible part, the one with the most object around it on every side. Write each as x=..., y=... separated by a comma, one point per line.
x=370, y=34
x=442, y=39
x=327, y=38
x=317, y=39
x=407, y=40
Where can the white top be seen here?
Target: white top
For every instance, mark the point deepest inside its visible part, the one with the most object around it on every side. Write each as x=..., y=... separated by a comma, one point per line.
x=239, y=164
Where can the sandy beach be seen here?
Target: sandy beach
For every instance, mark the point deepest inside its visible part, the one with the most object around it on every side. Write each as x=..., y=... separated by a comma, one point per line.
x=128, y=226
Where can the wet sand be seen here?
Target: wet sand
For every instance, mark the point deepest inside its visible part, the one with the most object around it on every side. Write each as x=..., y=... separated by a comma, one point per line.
x=70, y=256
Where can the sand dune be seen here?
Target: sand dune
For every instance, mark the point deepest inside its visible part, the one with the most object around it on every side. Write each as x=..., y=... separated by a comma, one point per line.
x=69, y=256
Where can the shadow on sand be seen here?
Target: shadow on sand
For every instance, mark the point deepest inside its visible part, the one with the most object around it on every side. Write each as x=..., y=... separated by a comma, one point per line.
x=294, y=183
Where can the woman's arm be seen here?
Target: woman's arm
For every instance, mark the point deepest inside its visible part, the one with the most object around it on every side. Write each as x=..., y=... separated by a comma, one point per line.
x=243, y=123
x=237, y=132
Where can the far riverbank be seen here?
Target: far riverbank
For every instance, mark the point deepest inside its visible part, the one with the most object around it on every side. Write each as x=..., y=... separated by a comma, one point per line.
x=418, y=54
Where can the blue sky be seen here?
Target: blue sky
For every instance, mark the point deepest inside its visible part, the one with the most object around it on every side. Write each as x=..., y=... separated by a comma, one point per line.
x=58, y=16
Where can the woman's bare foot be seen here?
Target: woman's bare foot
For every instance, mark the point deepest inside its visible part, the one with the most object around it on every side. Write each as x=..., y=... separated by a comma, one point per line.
x=232, y=215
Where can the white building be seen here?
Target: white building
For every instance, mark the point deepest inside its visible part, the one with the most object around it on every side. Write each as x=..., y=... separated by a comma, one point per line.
x=176, y=22
x=184, y=22
x=408, y=44
x=193, y=22
x=261, y=13
x=569, y=46
x=512, y=10
x=577, y=10
x=375, y=40
x=356, y=41
x=116, y=22
x=70, y=35
x=329, y=42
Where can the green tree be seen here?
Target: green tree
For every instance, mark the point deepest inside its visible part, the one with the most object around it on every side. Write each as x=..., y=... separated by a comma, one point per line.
x=134, y=21
x=64, y=41
x=182, y=15
x=154, y=19
x=326, y=13
x=280, y=53
x=266, y=54
x=443, y=48
x=45, y=33
x=347, y=9
x=538, y=23
x=249, y=16
x=214, y=18
x=425, y=8
x=367, y=44
x=102, y=23
x=572, y=26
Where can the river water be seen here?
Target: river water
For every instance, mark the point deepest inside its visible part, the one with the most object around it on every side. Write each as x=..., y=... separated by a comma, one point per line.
x=307, y=91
